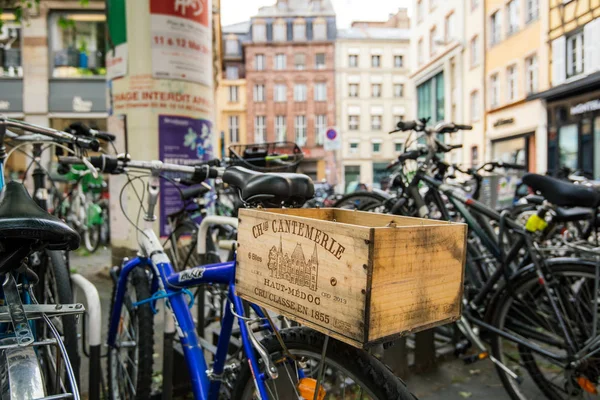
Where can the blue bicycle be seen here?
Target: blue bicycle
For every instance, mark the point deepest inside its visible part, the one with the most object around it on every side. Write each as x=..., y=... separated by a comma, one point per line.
x=292, y=363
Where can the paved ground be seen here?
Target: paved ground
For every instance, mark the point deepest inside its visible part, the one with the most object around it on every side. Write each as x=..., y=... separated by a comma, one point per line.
x=451, y=381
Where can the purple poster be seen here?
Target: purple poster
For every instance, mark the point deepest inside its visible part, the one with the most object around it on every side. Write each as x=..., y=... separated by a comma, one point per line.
x=181, y=140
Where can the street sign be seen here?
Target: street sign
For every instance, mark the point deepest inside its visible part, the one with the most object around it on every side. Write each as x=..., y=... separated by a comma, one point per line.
x=332, y=140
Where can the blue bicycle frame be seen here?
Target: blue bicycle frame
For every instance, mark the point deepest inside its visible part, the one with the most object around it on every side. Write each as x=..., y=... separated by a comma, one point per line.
x=165, y=278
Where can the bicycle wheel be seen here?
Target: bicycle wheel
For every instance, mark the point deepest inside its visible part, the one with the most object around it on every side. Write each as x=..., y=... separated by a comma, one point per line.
x=54, y=287
x=528, y=314
x=359, y=200
x=130, y=360
x=91, y=237
x=348, y=373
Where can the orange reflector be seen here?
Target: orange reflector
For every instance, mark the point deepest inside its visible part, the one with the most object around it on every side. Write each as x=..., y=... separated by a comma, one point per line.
x=587, y=385
x=483, y=355
x=306, y=388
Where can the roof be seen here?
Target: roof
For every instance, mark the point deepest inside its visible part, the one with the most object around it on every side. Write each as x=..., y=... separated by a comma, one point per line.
x=374, y=33
x=298, y=8
x=240, y=27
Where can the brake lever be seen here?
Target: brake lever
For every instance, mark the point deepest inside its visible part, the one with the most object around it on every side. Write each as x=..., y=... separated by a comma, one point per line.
x=90, y=167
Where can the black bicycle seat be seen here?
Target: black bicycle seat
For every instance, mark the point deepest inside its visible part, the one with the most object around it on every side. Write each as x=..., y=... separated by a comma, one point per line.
x=561, y=193
x=271, y=189
x=22, y=219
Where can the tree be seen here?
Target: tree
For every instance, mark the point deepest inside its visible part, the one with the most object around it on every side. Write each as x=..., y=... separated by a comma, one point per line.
x=22, y=8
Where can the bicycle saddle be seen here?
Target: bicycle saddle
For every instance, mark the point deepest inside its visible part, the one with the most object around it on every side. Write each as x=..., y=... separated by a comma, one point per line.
x=561, y=193
x=22, y=219
x=270, y=189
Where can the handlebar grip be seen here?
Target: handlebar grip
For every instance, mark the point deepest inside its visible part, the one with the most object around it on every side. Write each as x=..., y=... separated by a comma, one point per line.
x=406, y=125
x=502, y=164
x=455, y=146
x=215, y=162
x=109, y=137
x=463, y=127
x=409, y=155
x=105, y=163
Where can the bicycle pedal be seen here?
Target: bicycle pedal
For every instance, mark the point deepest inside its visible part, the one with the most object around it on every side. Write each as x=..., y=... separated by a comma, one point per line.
x=475, y=357
x=462, y=347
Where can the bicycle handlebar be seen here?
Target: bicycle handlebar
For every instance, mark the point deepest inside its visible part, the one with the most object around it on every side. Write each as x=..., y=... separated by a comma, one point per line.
x=59, y=136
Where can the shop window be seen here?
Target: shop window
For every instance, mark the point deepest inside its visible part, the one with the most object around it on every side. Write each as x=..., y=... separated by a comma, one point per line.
x=78, y=43
x=352, y=173
x=597, y=148
x=568, y=144
x=10, y=49
x=587, y=147
x=381, y=175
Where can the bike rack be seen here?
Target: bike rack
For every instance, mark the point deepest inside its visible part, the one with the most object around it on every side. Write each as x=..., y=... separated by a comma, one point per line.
x=94, y=311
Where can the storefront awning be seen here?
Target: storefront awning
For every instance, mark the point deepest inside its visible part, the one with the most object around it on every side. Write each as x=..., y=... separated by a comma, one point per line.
x=580, y=86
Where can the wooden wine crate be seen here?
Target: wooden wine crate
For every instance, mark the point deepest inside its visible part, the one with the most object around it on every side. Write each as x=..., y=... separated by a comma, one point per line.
x=362, y=278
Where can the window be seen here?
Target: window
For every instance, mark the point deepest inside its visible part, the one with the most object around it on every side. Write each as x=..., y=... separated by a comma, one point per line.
x=376, y=147
x=280, y=128
x=531, y=10
x=280, y=93
x=353, y=147
x=279, y=31
x=512, y=15
x=398, y=61
x=260, y=129
x=320, y=61
x=353, y=60
x=511, y=82
x=420, y=55
x=301, y=130
x=319, y=29
x=376, y=90
x=77, y=47
x=495, y=28
x=475, y=106
x=353, y=90
x=575, y=59
x=279, y=61
x=494, y=91
x=232, y=72
x=531, y=74
x=375, y=61
x=376, y=122
x=233, y=94
x=398, y=147
x=234, y=129
x=299, y=61
x=299, y=92
x=299, y=30
x=398, y=90
x=430, y=99
x=259, y=93
x=474, y=4
x=474, y=48
x=231, y=46
x=432, y=41
x=320, y=91
x=420, y=10
x=353, y=122
x=449, y=27
x=474, y=156
x=320, y=128
x=259, y=62
x=259, y=31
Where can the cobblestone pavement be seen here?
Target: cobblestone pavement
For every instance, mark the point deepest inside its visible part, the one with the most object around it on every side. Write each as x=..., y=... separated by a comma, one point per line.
x=451, y=381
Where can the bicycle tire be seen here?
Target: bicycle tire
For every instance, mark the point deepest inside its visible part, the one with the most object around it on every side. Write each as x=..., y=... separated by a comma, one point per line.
x=499, y=317
x=359, y=200
x=377, y=377
x=91, y=245
x=62, y=294
x=144, y=321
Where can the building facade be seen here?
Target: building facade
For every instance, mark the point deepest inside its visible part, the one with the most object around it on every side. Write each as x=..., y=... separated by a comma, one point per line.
x=372, y=96
x=573, y=100
x=53, y=67
x=516, y=56
x=231, y=91
x=447, y=58
x=290, y=79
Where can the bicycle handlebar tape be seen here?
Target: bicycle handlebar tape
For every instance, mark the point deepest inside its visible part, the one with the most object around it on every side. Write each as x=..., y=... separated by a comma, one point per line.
x=105, y=163
x=215, y=162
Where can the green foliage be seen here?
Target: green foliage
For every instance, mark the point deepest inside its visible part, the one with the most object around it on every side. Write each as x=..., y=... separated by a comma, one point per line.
x=19, y=8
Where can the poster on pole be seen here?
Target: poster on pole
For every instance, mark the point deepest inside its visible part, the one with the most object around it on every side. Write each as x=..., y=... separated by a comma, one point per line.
x=181, y=40
x=182, y=140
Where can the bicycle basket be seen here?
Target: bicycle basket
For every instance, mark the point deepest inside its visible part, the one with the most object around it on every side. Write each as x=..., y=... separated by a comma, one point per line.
x=266, y=157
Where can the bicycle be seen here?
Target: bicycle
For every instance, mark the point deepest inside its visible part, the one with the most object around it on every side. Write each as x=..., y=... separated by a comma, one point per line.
x=32, y=243
x=297, y=352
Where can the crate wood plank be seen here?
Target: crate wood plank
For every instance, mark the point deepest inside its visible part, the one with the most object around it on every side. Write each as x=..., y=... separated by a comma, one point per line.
x=379, y=220
x=417, y=278
x=304, y=268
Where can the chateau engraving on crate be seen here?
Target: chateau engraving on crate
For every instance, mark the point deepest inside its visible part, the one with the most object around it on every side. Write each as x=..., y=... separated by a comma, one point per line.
x=358, y=277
